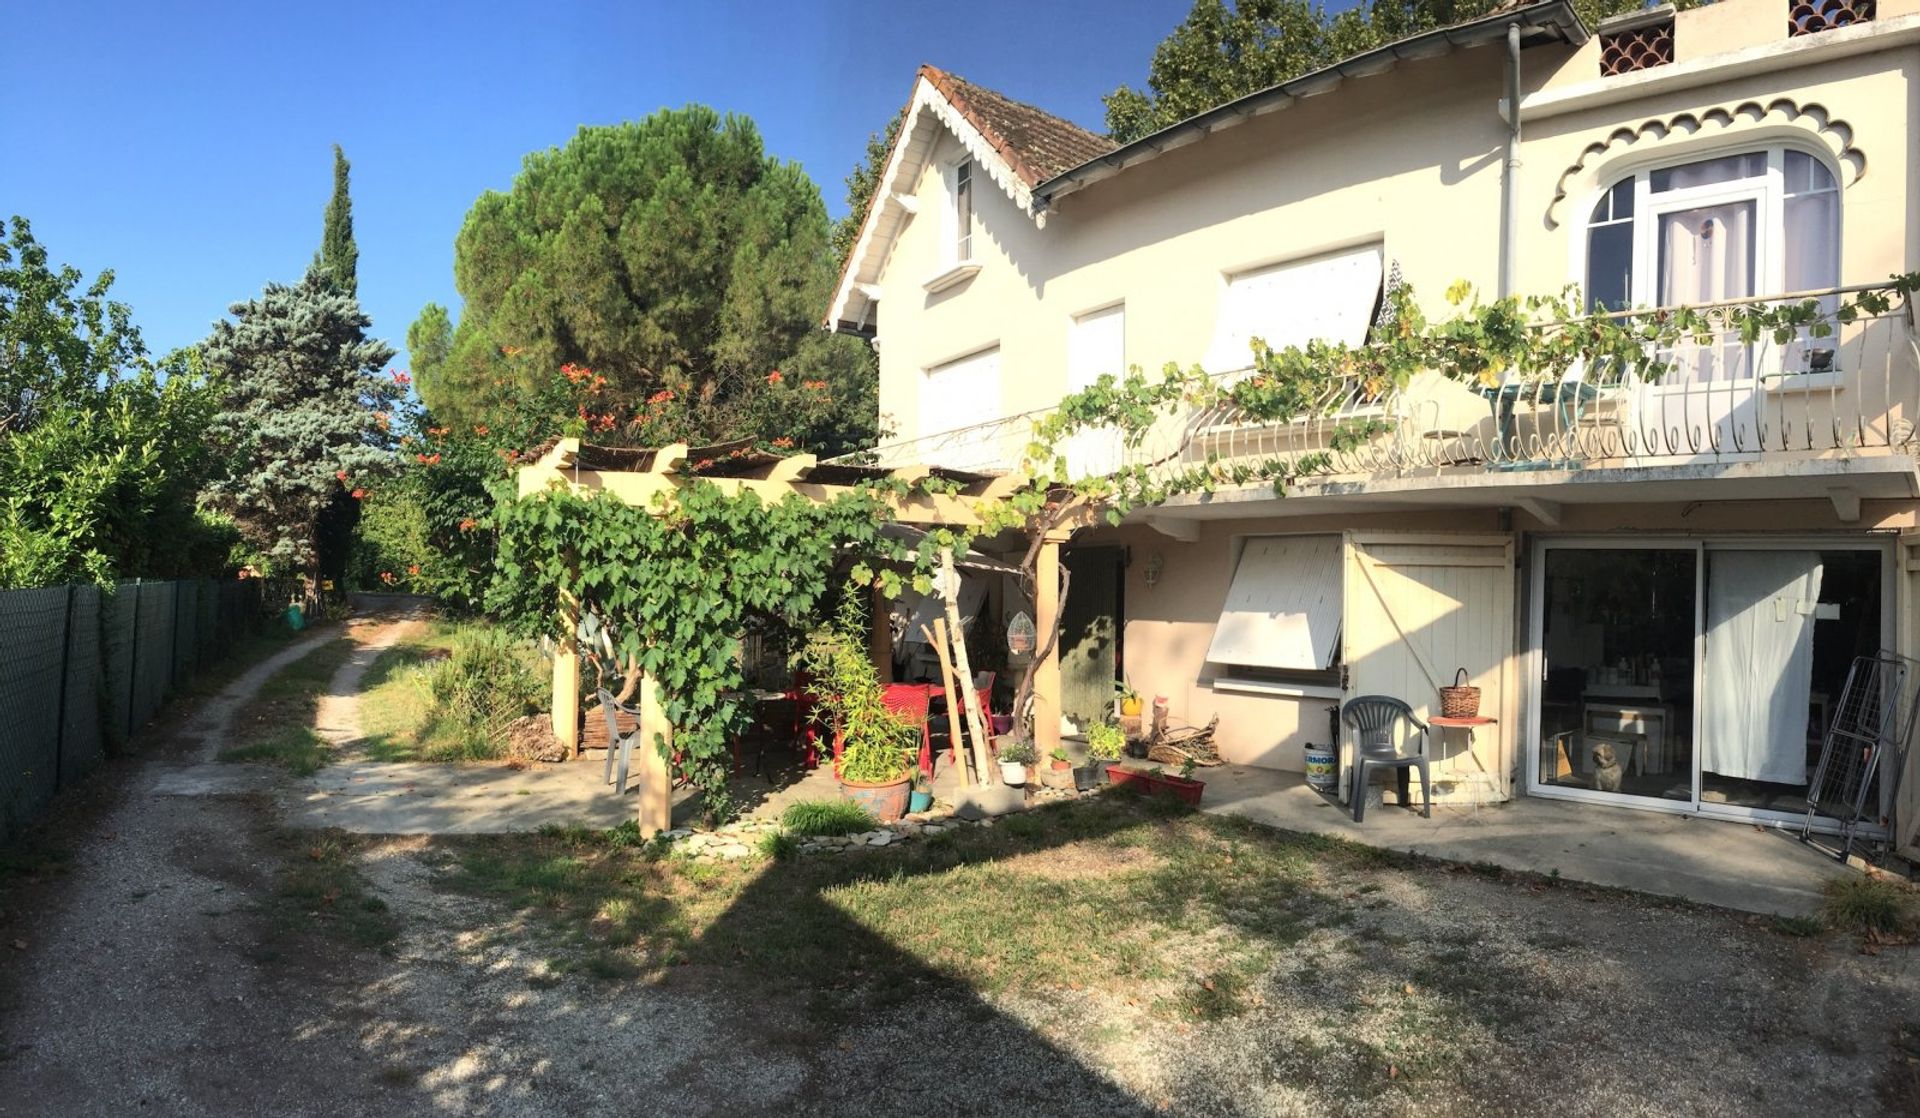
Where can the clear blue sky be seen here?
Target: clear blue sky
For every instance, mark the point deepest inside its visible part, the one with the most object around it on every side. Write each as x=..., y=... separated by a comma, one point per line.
x=187, y=146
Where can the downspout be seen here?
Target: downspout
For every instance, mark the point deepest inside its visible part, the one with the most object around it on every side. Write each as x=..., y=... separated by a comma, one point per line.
x=1510, y=173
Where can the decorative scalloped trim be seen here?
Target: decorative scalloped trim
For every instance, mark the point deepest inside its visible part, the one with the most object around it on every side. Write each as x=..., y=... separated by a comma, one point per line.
x=1835, y=135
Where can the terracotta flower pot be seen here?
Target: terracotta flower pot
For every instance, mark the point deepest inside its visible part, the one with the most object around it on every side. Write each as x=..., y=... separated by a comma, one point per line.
x=887, y=802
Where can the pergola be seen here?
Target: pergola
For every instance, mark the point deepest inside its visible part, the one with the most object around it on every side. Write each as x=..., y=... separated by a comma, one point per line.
x=637, y=476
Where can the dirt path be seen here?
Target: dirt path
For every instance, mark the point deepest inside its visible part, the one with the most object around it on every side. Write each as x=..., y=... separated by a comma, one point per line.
x=337, y=718
x=153, y=977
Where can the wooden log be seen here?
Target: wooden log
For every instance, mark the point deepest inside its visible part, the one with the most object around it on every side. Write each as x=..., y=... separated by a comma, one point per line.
x=937, y=637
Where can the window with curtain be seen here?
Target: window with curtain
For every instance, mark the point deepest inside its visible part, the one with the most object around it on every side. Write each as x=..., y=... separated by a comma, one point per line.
x=1713, y=230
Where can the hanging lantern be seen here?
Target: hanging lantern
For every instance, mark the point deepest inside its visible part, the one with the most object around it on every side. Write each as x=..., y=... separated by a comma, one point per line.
x=1021, y=637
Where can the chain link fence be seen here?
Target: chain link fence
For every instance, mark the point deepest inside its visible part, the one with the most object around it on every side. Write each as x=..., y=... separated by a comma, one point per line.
x=82, y=668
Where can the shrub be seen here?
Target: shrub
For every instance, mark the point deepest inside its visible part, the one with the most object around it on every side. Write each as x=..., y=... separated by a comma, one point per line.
x=827, y=817
x=779, y=846
x=1870, y=906
x=1105, y=741
x=472, y=697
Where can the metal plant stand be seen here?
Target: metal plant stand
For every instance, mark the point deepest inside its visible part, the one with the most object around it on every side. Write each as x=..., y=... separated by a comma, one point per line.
x=1867, y=737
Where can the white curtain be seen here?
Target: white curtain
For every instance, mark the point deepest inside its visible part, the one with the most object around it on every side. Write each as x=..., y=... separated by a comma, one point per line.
x=1759, y=680
x=1706, y=256
x=1812, y=263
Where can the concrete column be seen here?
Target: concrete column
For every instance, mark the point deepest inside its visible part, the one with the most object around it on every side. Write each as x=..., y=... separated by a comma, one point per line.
x=1046, y=679
x=653, y=775
x=566, y=687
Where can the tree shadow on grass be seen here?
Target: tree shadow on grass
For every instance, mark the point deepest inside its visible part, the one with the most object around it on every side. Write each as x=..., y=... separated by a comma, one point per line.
x=879, y=971
x=1208, y=964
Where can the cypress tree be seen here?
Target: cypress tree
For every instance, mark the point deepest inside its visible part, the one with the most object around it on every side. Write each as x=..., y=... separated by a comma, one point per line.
x=339, y=258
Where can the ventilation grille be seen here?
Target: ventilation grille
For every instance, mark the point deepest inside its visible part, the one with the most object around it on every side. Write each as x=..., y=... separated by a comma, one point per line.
x=1642, y=47
x=1806, y=17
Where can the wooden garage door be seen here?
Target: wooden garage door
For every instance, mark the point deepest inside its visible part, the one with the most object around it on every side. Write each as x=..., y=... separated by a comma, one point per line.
x=1420, y=607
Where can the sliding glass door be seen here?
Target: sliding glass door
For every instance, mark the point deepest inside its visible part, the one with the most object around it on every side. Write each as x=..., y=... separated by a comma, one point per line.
x=1691, y=675
x=1618, y=629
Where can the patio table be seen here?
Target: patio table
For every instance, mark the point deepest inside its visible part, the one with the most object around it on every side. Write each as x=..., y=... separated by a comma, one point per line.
x=1568, y=396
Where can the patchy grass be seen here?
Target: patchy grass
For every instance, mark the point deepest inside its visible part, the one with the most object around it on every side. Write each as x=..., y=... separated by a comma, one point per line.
x=1176, y=910
x=276, y=725
x=298, y=749
x=827, y=817
x=320, y=891
x=1871, y=906
x=421, y=700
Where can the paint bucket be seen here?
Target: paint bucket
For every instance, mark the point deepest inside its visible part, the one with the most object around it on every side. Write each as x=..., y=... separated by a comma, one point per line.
x=1322, y=765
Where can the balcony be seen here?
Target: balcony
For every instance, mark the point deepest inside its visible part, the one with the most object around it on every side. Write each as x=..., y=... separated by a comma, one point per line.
x=1835, y=412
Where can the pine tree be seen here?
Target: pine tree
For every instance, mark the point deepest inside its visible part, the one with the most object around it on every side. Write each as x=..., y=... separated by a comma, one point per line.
x=339, y=258
x=301, y=418
x=668, y=254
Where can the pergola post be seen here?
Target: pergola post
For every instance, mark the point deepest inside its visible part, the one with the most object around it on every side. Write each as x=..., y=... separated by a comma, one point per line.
x=1046, y=676
x=655, y=778
x=566, y=684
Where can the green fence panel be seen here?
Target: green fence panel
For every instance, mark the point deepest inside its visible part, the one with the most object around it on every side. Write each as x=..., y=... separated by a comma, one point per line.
x=83, y=743
x=32, y=639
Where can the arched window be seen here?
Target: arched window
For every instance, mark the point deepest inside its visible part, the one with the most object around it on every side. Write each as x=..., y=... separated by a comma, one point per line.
x=1760, y=222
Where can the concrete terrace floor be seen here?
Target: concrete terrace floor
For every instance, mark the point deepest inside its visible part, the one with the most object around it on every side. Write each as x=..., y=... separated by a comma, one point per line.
x=1730, y=864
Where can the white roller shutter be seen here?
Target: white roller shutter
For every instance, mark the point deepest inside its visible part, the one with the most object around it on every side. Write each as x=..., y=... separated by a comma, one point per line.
x=1328, y=298
x=1283, y=609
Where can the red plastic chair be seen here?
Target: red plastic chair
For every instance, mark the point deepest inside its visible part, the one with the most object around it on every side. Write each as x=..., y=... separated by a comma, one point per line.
x=910, y=701
x=983, y=686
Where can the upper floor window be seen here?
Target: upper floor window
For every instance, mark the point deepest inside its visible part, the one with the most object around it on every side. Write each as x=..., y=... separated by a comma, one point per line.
x=1713, y=231
x=963, y=211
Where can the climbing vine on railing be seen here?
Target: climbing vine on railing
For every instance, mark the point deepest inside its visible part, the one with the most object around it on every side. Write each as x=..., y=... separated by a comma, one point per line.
x=1535, y=340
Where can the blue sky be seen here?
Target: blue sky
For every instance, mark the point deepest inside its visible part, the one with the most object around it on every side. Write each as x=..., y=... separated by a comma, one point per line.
x=187, y=146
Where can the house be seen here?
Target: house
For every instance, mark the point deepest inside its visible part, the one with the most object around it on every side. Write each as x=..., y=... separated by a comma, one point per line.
x=1686, y=570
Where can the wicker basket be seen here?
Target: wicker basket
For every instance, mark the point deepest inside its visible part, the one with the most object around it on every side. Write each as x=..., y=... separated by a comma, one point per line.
x=1460, y=700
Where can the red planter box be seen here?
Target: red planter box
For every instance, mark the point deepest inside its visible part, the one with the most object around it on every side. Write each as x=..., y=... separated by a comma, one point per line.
x=1150, y=784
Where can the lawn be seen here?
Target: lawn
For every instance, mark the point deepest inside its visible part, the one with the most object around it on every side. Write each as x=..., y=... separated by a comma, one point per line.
x=1209, y=963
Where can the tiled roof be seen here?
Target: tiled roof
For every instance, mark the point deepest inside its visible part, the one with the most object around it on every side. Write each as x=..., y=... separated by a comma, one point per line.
x=1035, y=143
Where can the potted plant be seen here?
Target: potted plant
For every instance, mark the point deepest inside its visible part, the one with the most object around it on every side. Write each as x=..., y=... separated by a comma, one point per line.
x=1156, y=782
x=1015, y=756
x=921, y=798
x=1105, y=743
x=875, y=746
x=1059, y=772
x=1127, y=705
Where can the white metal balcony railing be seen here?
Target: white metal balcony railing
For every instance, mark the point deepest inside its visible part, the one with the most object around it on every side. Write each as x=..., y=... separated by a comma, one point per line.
x=1857, y=390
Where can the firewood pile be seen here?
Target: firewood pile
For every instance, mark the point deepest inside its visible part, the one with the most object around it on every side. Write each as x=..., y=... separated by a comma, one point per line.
x=1177, y=747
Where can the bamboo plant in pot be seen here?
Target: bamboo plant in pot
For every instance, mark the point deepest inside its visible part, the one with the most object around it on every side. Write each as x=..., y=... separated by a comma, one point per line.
x=875, y=746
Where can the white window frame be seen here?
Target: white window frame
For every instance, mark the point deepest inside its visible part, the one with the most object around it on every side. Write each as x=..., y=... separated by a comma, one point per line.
x=1768, y=193
x=957, y=231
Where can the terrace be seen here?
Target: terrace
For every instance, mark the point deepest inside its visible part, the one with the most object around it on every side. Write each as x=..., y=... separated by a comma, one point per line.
x=1826, y=416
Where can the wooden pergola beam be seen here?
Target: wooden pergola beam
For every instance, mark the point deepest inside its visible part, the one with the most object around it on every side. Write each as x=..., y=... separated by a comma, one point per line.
x=667, y=459
x=792, y=468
